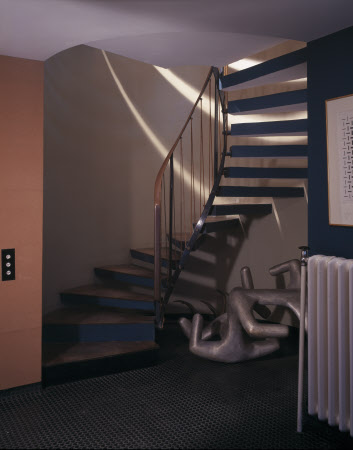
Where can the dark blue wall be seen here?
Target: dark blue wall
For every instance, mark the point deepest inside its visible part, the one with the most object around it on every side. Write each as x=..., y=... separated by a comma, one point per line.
x=330, y=75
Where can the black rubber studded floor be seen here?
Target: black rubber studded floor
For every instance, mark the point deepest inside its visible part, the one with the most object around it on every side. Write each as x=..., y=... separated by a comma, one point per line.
x=182, y=402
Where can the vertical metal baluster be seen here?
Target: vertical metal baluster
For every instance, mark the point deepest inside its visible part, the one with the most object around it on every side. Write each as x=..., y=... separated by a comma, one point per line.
x=181, y=187
x=171, y=196
x=216, y=128
x=211, y=170
x=225, y=122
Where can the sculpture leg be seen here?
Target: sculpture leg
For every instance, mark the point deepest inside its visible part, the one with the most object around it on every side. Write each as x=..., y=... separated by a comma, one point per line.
x=247, y=283
x=235, y=347
x=211, y=330
x=263, y=348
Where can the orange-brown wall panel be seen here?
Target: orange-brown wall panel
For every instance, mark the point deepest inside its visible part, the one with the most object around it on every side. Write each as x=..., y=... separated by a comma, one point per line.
x=21, y=212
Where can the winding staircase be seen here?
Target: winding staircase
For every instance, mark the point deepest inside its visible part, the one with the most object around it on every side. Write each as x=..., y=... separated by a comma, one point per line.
x=115, y=320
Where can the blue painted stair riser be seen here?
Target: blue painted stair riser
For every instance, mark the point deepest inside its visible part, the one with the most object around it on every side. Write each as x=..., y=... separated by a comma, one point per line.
x=269, y=151
x=278, y=127
x=112, y=302
x=126, y=278
x=265, y=172
x=249, y=191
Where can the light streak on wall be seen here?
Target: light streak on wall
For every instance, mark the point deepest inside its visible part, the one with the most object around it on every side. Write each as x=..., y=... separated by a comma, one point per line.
x=305, y=192
x=185, y=89
x=275, y=212
x=162, y=150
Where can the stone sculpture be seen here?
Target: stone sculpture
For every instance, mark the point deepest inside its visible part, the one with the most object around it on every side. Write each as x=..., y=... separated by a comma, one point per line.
x=242, y=337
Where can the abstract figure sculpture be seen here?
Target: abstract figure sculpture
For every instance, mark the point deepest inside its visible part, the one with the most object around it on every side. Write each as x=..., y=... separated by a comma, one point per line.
x=242, y=337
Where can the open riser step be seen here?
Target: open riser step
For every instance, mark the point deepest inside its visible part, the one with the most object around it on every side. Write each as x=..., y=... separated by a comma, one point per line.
x=274, y=103
x=268, y=151
x=250, y=209
x=250, y=191
x=214, y=224
x=291, y=66
x=265, y=172
x=211, y=226
x=277, y=128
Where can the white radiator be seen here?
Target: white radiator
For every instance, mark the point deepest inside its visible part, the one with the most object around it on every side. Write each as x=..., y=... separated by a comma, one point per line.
x=330, y=340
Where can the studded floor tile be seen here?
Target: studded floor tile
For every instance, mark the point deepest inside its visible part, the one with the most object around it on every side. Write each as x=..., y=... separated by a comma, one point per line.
x=182, y=402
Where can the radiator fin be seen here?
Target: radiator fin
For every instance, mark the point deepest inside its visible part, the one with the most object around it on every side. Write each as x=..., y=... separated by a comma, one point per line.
x=330, y=340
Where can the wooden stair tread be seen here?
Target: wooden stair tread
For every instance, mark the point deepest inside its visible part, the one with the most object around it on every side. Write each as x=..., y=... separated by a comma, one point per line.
x=297, y=127
x=64, y=353
x=164, y=253
x=94, y=315
x=108, y=292
x=129, y=269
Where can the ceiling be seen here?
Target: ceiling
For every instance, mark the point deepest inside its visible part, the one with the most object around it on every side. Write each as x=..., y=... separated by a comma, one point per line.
x=166, y=32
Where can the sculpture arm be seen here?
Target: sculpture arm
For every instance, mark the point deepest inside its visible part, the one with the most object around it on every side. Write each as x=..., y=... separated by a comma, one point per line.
x=293, y=267
x=243, y=302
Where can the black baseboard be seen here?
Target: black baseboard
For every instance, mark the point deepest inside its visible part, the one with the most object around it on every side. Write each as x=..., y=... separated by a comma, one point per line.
x=27, y=388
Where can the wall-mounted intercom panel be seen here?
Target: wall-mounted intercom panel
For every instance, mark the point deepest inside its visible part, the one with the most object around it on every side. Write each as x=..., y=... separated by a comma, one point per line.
x=8, y=264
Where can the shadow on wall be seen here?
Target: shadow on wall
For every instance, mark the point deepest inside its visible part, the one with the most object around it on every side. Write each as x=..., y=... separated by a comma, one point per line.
x=100, y=162
x=258, y=243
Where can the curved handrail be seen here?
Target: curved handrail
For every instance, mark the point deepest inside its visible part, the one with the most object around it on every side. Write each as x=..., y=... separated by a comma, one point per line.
x=158, y=183
x=157, y=197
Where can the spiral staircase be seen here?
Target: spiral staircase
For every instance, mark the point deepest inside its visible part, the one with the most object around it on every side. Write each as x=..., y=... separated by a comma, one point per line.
x=113, y=323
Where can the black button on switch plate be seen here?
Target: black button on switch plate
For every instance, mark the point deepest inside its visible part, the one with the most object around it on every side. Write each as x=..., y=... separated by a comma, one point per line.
x=8, y=264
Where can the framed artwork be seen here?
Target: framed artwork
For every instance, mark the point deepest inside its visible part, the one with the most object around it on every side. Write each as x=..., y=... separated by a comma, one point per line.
x=339, y=131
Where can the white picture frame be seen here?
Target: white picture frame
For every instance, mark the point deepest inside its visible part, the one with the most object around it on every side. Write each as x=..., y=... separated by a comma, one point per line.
x=339, y=134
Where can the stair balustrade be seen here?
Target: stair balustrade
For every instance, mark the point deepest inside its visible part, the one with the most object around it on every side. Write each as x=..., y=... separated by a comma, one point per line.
x=186, y=186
